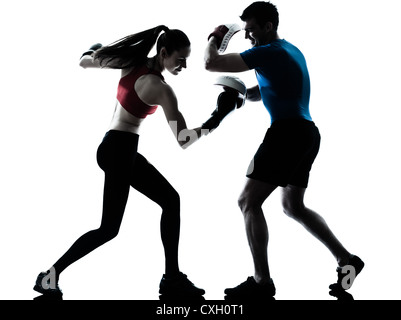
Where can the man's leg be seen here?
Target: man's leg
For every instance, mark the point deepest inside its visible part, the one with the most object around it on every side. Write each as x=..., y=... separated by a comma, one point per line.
x=293, y=204
x=250, y=201
x=294, y=207
x=261, y=286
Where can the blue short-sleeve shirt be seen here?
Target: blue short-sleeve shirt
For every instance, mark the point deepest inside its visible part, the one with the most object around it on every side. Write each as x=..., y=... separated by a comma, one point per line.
x=283, y=79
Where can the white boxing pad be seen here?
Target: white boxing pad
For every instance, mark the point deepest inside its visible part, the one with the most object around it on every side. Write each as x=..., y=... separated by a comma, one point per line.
x=231, y=82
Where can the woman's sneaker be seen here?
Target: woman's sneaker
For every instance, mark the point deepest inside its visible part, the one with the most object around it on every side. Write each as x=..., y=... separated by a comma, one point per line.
x=251, y=291
x=179, y=286
x=45, y=286
x=347, y=274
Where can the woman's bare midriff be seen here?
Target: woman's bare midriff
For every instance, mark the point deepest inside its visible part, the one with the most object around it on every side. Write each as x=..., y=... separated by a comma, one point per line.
x=124, y=121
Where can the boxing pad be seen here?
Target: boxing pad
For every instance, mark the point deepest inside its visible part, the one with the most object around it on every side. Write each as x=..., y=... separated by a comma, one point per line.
x=230, y=83
x=223, y=34
x=230, y=99
x=92, y=49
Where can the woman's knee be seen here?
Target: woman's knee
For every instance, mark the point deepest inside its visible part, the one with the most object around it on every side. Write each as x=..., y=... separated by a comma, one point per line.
x=107, y=233
x=171, y=200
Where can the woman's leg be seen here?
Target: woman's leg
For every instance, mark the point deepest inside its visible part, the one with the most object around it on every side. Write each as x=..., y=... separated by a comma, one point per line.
x=116, y=156
x=114, y=201
x=150, y=182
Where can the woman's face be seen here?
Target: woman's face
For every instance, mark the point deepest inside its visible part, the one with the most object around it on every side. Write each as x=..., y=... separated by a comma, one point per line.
x=177, y=60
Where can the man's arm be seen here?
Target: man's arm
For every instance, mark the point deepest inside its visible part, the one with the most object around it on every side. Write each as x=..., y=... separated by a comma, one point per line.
x=253, y=94
x=215, y=62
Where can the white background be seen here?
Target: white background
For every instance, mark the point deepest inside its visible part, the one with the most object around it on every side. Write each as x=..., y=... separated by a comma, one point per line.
x=54, y=115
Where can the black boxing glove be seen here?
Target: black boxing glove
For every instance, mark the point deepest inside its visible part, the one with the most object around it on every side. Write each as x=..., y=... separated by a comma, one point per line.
x=227, y=102
x=232, y=98
x=92, y=49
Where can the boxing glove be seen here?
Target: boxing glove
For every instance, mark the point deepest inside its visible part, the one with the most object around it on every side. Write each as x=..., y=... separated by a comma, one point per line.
x=227, y=102
x=230, y=99
x=92, y=49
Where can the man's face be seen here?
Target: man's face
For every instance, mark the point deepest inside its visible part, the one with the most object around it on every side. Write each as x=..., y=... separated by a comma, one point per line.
x=255, y=33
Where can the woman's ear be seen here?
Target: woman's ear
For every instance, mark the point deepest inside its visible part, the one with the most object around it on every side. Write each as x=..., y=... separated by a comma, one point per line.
x=163, y=52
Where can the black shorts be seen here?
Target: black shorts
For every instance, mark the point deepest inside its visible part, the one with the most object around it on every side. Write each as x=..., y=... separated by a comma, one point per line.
x=286, y=154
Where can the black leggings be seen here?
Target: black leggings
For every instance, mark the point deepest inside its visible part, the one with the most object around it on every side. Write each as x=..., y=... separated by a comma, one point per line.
x=124, y=167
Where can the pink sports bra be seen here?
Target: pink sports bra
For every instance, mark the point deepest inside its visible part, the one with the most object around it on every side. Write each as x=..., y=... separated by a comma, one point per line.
x=128, y=97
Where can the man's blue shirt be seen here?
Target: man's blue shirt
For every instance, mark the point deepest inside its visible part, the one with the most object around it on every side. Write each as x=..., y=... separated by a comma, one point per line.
x=283, y=79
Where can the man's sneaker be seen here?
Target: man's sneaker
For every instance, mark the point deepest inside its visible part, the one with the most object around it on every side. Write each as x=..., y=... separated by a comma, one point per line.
x=179, y=286
x=250, y=291
x=347, y=274
x=223, y=34
x=46, y=287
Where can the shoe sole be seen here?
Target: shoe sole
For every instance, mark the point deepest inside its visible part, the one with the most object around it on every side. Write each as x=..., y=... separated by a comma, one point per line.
x=172, y=297
x=47, y=292
x=257, y=298
x=232, y=29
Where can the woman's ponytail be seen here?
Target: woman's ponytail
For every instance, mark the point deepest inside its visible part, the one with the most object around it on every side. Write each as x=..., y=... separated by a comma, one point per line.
x=161, y=28
x=129, y=51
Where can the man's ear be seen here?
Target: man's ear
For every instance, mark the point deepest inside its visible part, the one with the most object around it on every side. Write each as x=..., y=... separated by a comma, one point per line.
x=269, y=26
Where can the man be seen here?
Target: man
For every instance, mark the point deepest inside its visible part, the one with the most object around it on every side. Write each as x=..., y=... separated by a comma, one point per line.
x=289, y=148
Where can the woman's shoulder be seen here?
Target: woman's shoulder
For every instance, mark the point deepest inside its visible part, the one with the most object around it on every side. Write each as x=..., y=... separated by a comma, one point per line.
x=153, y=80
x=134, y=69
x=126, y=72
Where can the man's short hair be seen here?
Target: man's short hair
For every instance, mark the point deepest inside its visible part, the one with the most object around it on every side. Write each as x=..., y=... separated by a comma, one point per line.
x=262, y=12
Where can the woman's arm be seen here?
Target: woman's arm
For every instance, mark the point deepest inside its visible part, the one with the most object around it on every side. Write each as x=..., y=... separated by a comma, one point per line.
x=87, y=61
x=185, y=137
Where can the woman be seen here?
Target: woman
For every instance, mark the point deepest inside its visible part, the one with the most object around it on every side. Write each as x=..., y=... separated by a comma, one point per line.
x=141, y=89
